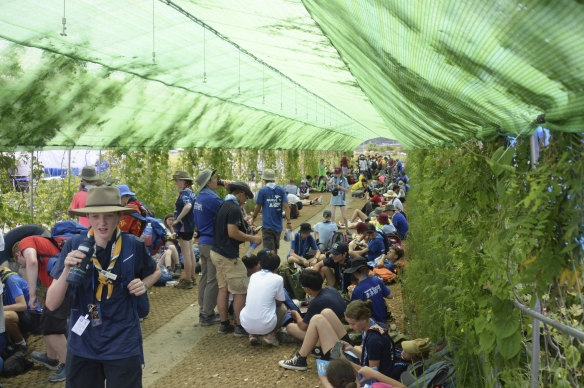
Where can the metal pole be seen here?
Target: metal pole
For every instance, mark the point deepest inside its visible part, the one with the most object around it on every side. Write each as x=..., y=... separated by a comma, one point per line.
x=147, y=171
x=69, y=172
x=99, y=167
x=535, y=334
x=30, y=184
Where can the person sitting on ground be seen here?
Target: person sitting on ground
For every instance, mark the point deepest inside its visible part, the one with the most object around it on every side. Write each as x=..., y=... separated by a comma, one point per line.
x=323, y=231
x=392, y=198
x=321, y=184
x=374, y=248
x=264, y=310
x=333, y=267
x=133, y=223
x=383, y=223
x=18, y=316
x=341, y=374
x=322, y=298
x=37, y=255
x=358, y=189
x=89, y=179
x=401, y=191
x=398, y=220
x=303, y=191
x=362, y=217
x=171, y=243
x=291, y=187
x=369, y=288
x=303, y=250
x=393, y=258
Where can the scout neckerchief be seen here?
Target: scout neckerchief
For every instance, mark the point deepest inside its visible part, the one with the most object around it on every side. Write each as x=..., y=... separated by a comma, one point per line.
x=103, y=278
x=373, y=326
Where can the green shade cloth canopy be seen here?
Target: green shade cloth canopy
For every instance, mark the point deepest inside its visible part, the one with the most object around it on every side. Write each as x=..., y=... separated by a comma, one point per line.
x=285, y=74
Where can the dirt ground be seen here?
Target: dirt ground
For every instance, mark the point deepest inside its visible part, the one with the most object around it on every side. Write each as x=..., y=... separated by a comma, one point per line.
x=216, y=360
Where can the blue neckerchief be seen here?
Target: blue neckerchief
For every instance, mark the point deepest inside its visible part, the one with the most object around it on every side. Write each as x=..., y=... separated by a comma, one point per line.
x=266, y=270
x=231, y=197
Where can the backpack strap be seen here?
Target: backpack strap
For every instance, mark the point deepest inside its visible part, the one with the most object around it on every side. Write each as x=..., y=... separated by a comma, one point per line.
x=375, y=328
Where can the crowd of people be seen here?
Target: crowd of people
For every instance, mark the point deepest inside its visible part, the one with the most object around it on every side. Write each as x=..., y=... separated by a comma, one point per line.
x=97, y=276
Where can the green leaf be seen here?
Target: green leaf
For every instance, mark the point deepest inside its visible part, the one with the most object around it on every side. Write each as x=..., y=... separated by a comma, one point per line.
x=487, y=341
x=506, y=327
x=509, y=346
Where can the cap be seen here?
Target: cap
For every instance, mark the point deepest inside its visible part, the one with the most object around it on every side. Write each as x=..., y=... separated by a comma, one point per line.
x=361, y=227
x=356, y=264
x=327, y=214
x=338, y=170
x=339, y=248
x=371, y=228
x=305, y=227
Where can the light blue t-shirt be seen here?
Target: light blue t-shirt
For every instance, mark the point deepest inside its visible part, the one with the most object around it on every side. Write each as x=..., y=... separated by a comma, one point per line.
x=291, y=189
x=271, y=197
x=325, y=231
x=339, y=199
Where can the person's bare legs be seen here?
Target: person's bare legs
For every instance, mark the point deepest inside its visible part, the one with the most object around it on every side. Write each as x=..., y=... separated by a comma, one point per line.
x=56, y=346
x=333, y=212
x=335, y=322
x=319, y=330
x=188, y=257
x=295, y=331
x=357, y=214
x=344, y=213
x=238, y=303
x=222, y=300
x=328, y=274
x=173, y=252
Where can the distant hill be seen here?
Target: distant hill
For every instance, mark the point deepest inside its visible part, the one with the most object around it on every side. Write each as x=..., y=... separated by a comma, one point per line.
x=381, y=141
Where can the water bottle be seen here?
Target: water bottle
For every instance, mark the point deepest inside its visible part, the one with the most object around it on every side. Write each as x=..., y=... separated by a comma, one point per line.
x=78, y=273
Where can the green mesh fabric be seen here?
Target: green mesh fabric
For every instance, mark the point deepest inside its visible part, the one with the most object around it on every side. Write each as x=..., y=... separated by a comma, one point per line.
x=314, y=74
x=442, y=72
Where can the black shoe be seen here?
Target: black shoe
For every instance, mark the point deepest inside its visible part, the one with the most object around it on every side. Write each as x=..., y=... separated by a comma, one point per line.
x=225, y=329
x=209, y=321
x=295, y=363
x=239, y=331
x=317, y=352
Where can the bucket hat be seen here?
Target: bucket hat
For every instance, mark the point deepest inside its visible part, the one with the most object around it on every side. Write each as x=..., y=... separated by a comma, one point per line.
x=103, y=199
x=125, y=190
x=269, y=175
x=356, y=264
x=182, y=175
x=389, y=207
x=390, y=194
x=242, y=186
x=89, y=173
x=204, y=177
x=417, y=346
x=383, y=219
x=361, y=227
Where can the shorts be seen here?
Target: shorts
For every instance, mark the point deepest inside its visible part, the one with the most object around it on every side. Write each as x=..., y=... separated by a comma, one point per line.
x=271, y=239
x=281, y=312
x=29, y=321
x=89, y=373
x=55, y=322
x=231, y=273
x=187, y=236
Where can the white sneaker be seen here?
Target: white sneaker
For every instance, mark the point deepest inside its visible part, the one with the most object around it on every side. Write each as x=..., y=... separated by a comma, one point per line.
x=319, y=200
x=270, y=339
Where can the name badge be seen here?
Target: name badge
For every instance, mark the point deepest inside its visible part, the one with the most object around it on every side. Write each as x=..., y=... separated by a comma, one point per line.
x=80, y=325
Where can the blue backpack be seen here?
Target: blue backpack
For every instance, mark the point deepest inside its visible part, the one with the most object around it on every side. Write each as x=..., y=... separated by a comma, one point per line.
x=158, y=233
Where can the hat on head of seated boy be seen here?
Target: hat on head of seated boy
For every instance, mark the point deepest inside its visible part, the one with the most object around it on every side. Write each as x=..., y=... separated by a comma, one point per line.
x=305, y=227
x=361, y=227
x=327, y=214
x=356, y=264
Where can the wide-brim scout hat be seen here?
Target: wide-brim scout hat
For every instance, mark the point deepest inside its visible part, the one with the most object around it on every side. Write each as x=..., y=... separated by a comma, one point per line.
x=182, y=175
x=89, y=173
x=242, y=186
x=204, y=177
x=417, y=346
x=103, y=199
x=269, y=175
x=390, y=194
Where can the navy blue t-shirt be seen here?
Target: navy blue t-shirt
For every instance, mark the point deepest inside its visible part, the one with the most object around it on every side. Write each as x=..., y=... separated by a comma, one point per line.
x=228, y=213
x=401, y=224
x=376, y=248
x=379, y=347
x=187, y=223
x=302, y=246
x=205, y=208
x=343, y=279
x=271, y=198
x=328, y=297
x=375, y=290
x=119, y=335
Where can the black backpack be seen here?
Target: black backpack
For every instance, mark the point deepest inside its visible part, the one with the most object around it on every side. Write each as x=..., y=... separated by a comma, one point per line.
x=373, y=165
x=293, y=211
x=386, y=243
x=335, y=238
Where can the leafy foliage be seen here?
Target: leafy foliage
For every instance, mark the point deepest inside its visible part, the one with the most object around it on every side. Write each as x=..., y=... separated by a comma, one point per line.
x=490, y=228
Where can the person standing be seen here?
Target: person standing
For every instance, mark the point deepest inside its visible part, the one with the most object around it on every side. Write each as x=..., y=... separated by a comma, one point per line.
x=184, y=226
x=273, y=203
x=340, y=187
x=89, y=179
x=105, y=340
x=206, y=206
x=230, y=230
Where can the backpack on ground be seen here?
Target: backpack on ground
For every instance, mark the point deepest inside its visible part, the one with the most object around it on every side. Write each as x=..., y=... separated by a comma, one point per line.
x=292, y=282
x=294, y=211
x=154, y=234
x=336, y=237
x=16, y=364
x=437, y=374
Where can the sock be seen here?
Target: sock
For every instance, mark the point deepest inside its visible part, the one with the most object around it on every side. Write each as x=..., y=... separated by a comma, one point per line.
x=225, y=323
x=23, y=343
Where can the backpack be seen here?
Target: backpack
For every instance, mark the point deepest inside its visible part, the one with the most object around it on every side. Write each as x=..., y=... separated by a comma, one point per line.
x=16, y=364
x=438, y=374
x=384, y=274
x=373, y=165
x=157, y=232
x=386, y=242
x=335, y=238
x=64, y=230
x=294, y=211
x=292, y=282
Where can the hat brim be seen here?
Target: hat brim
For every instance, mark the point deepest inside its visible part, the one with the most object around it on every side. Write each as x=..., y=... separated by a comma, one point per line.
x=203, y=185
x=336, y=252
x=355, y=269
x=84, y=211
x=233, y=186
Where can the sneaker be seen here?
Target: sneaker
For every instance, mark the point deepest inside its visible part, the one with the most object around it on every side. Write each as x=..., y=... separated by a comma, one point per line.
x=254, y=340
x=184, y=284
x=317, y=352
x=176, y=272
x=209, y=321
x=239, y=331
x=193, y=281
x=271, y=339
x=284, y=338
x=319, y=200
x=224, y=329
x=59, y=375
x=295, y=363
x=42, y=359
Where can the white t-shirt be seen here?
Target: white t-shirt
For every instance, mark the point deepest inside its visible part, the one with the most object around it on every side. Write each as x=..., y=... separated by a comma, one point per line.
x=398, y=204
x=259, y=314
x=292, y=198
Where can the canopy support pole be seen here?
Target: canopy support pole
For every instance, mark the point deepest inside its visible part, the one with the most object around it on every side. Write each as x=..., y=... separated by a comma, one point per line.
x=147, y=171
x=535, y=334
x=30, y=184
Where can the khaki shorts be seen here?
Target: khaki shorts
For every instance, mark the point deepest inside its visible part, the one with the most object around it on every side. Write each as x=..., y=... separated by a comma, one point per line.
x=271, y=239
x=231, y=273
